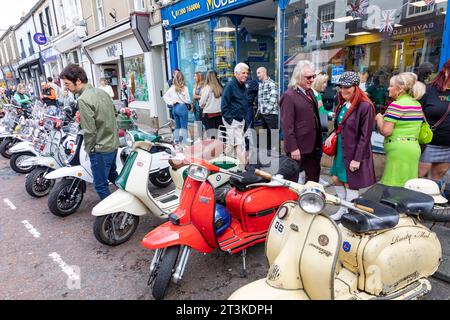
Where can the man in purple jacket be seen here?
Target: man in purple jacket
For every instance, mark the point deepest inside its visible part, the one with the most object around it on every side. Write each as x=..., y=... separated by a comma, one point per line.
x=300, y=121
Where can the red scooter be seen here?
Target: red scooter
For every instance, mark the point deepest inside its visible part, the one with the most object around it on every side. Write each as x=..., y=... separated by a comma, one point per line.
x=229, y=220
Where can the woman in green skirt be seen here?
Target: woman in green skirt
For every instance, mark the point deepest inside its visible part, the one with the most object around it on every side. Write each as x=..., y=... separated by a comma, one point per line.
x=400, y=126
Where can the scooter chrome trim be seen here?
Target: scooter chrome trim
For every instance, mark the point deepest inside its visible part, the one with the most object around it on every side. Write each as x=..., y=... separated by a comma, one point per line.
x=178, y=274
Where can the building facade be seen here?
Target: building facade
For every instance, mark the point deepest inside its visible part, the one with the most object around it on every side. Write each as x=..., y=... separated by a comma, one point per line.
x=382, y=37
x=9, y=56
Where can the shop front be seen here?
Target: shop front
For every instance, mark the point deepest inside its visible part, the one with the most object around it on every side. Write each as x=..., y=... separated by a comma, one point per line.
x=30, y=71
x=217, y=34
x=377, y=38
x=122, y=57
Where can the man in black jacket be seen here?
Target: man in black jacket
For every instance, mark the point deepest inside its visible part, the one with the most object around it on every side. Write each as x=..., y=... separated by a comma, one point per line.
x=234, y=108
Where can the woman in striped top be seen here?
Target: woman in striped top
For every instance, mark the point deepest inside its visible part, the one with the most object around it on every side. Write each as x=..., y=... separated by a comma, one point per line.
x=401, y=126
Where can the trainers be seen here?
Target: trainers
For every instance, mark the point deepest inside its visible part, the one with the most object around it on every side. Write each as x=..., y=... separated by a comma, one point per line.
x=338, y=215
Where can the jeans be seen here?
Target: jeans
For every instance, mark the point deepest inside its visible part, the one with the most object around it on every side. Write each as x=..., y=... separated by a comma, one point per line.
x=269, y=122
x=103, y=166
x=180, y=115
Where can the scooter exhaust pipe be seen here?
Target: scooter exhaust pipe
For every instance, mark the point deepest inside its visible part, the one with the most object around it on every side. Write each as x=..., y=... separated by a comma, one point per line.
x=178, y=275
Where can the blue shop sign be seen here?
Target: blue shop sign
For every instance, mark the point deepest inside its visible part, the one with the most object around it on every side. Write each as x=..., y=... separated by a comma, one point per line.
x=189, y=10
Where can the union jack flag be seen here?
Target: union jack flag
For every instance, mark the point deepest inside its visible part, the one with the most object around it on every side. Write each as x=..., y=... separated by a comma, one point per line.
x=327, y=30
x=387, y=20
x=358, y=8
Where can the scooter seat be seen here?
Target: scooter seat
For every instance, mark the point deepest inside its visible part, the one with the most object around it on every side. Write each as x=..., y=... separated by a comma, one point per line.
x=362, y=223
x=407, y=201
x=403, y=200
x=246, y=179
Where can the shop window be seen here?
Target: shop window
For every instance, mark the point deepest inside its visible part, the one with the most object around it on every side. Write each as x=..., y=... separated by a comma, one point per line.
x=418, y=7
x=224, y=49
x=194, y=48
x=99, y=14
x=139, y=5
x=326, y=14
x=136, y=79
x=382, y=40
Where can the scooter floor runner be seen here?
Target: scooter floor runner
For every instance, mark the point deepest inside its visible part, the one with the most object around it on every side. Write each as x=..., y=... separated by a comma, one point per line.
x=235, y=239
x=166, y=199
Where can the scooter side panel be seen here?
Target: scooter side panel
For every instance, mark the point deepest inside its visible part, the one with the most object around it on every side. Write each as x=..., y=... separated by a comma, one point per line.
x=398, y=257
x=76, y=172
x=168, y=235
x=120, y=201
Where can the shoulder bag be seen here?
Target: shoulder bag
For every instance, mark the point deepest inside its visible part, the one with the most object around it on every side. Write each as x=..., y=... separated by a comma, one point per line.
x=331, y=150
x=426, y=131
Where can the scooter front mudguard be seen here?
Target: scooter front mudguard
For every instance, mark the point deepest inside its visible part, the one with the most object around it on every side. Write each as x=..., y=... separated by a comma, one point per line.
x=169, y=235
x=76, y=172
x=23, y=146
x=120, y=201
x=48, y=162
x=260, y=290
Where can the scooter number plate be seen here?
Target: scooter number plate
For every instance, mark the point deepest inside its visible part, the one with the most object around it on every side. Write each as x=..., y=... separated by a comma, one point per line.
x=279, y=226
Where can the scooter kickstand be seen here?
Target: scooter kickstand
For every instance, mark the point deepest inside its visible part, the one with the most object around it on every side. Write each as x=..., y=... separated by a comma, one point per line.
x=244, y=264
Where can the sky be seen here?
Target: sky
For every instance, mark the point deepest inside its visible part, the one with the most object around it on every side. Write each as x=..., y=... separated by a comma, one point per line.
x=10, y=14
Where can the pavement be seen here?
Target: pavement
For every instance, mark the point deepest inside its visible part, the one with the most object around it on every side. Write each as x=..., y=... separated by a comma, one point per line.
x=42, y=255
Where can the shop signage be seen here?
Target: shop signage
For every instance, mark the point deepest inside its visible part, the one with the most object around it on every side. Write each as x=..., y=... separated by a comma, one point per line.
x=412, y=30
x=114, y=50
x=188, y=10
x=40, y=38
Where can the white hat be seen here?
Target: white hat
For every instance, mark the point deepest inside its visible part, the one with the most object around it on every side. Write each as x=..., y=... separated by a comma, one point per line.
x=426, y=186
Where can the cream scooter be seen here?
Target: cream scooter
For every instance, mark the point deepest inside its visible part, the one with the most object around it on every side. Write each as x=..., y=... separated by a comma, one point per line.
x=117, y=216
x=377, y=252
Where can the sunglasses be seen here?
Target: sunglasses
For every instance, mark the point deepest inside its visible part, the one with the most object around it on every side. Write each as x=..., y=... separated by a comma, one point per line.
x=310, y=77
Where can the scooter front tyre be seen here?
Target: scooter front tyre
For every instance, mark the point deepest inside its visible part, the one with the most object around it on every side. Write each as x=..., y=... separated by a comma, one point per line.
x=54, y=203
x=6, y=144
x=31, y=183
x=102, y=230
x=13, y=162
x=164, y=272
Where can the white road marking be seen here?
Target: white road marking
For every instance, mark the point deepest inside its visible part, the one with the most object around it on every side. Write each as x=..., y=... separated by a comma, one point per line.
x=9, y=204
x=31, y=229
x=68, y=270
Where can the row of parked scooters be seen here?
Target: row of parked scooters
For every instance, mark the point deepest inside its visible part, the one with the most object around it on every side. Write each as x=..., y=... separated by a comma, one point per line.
x=379, y=250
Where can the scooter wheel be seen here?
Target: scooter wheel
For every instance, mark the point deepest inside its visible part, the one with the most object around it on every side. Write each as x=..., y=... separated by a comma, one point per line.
x=63, y=199
x=17, y=158
x=162, y=179
x=164, y=271
x=6, y=144
x=36, y=185
x=115, y=229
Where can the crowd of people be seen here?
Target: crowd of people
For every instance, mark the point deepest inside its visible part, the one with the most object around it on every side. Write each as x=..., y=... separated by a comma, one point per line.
x=396, y=107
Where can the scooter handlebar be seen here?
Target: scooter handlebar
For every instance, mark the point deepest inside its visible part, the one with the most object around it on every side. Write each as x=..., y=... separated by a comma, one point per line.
x=263, y=174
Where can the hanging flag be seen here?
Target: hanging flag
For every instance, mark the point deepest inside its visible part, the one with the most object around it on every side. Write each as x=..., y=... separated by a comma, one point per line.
x=430, y=2
x=358, y=8
x=327, y=30
x=387, y=20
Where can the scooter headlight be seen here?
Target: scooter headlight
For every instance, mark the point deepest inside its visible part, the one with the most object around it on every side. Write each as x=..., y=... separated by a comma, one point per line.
x=129, y=139
x=198, y=173
x=312, y=201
